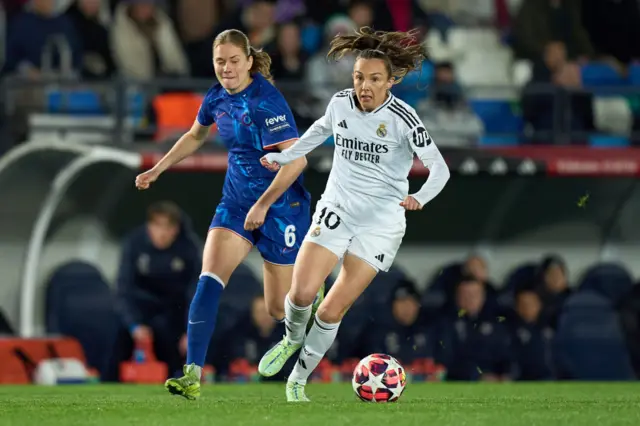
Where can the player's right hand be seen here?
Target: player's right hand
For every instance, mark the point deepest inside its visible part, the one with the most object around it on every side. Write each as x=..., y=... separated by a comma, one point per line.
x=144, y=180
x=270, y=162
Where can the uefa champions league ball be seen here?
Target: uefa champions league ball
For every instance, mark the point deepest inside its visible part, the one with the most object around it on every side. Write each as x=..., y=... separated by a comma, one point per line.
x=379, y=378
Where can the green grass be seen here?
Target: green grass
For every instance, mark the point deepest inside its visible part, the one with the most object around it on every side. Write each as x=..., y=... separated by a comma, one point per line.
x=570, y=404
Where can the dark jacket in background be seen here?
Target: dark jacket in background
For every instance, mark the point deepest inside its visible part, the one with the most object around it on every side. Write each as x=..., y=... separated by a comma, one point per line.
x=27, y=34
x=406, y=344
x=532, y=350
x=154, y=282
x=97, y=61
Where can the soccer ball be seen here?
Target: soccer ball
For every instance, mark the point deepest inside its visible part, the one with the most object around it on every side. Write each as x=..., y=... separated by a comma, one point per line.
x=379, y=378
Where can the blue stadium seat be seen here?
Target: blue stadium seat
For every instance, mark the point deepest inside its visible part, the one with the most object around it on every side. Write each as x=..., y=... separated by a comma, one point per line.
x=311, y=36
x=608, y=141
x=634, y=75
x=489, y=140
x=75, y=102
x=601, y=74
x=589, y=344
x=80, y=304
x=497, y=115
x=413, y=87
x=610, y=280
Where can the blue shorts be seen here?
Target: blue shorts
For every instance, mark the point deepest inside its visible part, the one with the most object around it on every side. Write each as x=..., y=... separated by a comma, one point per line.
x=278, y=239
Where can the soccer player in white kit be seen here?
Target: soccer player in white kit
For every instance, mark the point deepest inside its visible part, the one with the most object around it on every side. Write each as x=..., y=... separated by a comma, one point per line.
x=361, y=215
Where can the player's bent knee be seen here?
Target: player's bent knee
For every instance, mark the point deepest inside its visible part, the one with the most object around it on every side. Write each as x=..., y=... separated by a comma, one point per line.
x=330, y=314
x=276, y=311
x=302, y=296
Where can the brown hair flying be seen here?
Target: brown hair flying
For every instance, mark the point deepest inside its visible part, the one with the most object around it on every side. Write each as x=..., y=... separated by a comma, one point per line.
x=261, y=60
x=399, y=50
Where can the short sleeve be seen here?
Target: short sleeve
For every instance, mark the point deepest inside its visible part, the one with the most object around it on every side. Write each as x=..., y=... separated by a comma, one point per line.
x=275, y=120
x=205, y=114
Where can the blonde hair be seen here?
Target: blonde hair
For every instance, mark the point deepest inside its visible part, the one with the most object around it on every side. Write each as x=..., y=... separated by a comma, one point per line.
x=261, y=60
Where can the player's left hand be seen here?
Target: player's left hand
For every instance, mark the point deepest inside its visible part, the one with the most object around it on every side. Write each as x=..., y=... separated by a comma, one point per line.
x=255, y=217
x=411, y=203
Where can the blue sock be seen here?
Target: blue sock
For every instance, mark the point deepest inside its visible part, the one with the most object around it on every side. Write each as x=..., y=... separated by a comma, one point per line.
x=203, y=313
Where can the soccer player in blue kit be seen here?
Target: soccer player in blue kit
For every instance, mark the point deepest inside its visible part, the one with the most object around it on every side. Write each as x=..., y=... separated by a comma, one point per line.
x=258, y=207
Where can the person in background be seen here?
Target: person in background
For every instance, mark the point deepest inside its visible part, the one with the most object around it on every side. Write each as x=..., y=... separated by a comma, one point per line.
x=145, y=43
x=530, y=338
x=404, y=336
x=288, y=60
x=159, y=265
x=97, y=62
x=553, y=287
x=195, y=21
x=446, y=113
x=564, y=116
x=539, y=22
x=256, y=19
x=260, y=332
x=473, y=343
x=36, y=31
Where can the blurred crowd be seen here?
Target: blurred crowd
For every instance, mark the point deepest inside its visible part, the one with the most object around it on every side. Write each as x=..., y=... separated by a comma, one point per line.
x=457, y=325
x=526, y=43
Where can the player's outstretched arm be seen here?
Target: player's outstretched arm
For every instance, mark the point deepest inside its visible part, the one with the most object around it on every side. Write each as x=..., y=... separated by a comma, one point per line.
x=184, y=147
x=427, y=151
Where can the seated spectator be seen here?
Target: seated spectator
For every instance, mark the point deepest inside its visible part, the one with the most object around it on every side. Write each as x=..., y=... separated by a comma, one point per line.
x=145, y=43
x=256, y=19
x=539, y=22
x=530, y=338
x=196, y=20
x=563, y=116
x=257, y=335
x=39, y=34
x=446, y=113
x=288, y=59
x=97, y=62
x=473, y=343
x=404, y=337
x=553, y=287
x=159, y=268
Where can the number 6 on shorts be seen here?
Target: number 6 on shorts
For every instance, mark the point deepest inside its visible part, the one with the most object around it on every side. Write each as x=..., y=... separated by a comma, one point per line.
x=290, y=235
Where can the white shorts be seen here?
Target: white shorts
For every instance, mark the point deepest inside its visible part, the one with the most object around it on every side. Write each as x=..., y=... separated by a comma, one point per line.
x=376, y=245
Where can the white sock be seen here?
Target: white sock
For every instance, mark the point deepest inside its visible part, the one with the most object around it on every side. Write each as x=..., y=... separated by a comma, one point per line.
x=295, y=320
x=317, y=343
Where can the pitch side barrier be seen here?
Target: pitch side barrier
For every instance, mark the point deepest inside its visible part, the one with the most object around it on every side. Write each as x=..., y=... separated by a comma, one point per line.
x=495, y=199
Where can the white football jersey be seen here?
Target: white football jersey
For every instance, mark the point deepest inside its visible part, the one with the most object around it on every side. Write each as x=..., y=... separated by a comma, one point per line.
x=373, y=157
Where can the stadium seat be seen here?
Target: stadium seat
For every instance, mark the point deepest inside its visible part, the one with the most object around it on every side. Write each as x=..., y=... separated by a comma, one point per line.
x=612, y=114
x=601, y=74
x=610, y=280
x=80, y=304
x=311, y=37
x=634, y=75
x=485, y=68
x=463, y=39
x=498, y=116
x=74, y=102
x=491, y=140
x=413, y=87
x=589, y=344
x=608, y=141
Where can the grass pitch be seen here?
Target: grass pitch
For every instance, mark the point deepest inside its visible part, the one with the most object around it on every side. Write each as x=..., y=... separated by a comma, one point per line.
x=479, y=404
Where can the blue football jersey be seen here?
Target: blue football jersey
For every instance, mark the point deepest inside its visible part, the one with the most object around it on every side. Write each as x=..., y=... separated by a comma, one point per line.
x=250, y=123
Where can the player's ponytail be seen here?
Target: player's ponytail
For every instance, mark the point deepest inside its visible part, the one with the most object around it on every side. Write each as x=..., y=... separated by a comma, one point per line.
x=261, y=63
x=261, y=60
x=400, y=51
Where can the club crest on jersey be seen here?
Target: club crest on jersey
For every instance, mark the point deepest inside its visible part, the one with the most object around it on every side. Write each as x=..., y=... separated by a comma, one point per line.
x=246, y=119
x=382, y=130
x=315, y=232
